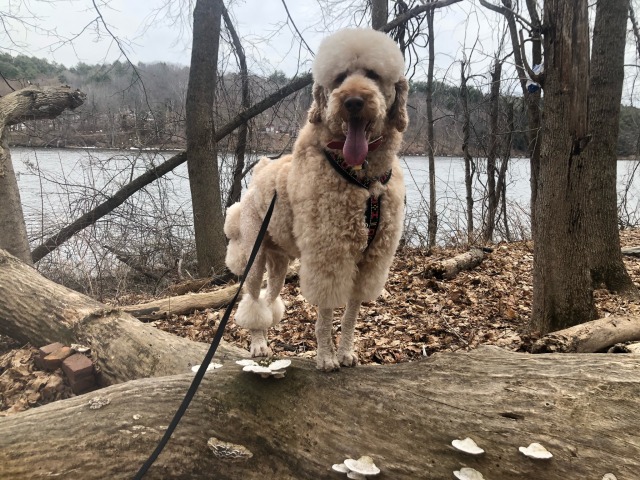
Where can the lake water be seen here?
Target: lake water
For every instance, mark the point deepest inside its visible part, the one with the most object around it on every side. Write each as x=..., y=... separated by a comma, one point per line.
x=58, y=185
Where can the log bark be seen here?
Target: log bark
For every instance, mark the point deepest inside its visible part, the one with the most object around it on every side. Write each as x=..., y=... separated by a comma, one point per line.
x=589, y=337
x=447, y=269
x=190, y=302
x=39, y=311
x=182, y=304
x=583, y=408
x=631, y=251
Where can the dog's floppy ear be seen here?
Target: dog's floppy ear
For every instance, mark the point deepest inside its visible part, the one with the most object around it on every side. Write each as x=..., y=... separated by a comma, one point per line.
x=398, y=111
x=319, y=104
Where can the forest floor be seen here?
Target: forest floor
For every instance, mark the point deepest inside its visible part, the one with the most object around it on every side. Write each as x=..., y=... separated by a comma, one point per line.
x=416, y=316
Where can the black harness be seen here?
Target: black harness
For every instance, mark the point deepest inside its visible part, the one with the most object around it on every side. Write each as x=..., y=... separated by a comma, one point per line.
x=372, y=209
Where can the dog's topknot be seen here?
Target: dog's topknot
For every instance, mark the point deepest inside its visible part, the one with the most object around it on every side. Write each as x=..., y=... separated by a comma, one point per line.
x=355, y=48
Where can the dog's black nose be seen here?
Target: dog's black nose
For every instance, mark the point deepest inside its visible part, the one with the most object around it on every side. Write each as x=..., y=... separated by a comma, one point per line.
x=354, y=104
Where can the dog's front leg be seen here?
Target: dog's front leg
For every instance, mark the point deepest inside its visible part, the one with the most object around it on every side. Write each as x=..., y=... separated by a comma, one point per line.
x=326, y=356
x=346, y=355
x=259, y=344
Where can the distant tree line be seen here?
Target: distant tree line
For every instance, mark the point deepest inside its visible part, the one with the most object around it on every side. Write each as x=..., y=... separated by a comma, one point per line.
x=144, y=106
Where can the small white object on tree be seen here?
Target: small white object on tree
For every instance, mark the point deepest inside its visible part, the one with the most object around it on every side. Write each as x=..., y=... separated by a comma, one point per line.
x=276, y=368
x=468, y=474
x=468, y=446
x=211, y=366
x=537, y=451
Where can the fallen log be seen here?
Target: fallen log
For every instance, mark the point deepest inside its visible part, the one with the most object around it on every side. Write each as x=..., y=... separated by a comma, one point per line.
x=595, y=336
x=449, y=268
x=582, y=408
x=189, y=303
x=182, y=304
x=38, y=311
x=631, y=251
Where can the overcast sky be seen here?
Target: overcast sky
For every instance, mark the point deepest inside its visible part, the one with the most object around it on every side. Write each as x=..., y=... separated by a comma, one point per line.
x=151, y=33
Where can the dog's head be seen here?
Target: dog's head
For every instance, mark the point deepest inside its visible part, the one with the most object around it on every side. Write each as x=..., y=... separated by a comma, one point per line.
x=359, y=90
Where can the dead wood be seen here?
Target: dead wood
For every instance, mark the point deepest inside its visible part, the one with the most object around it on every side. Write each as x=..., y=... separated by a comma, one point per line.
x=583, y=408
x=181, y=305
x=594, y=336
x=447, y=269
x=190, y=302
x=39, y=311
x=631, y=251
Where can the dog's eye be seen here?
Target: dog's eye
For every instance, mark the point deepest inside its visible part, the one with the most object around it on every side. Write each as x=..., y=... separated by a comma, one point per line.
x=372, y=75
x=340, y=78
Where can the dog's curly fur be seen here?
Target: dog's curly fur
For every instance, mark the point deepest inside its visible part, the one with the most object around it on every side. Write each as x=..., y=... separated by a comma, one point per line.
x=319, y=216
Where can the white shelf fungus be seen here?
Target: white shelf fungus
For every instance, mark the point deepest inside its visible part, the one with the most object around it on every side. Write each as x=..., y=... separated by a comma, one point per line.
x=537, y=451
x=211, y=366
x=357, y=469
x=468, y=446
x=468, y=474
x=609, y=476
x=265, y=368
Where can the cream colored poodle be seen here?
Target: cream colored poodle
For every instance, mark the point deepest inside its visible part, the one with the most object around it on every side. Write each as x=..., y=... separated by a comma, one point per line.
x=340, y=203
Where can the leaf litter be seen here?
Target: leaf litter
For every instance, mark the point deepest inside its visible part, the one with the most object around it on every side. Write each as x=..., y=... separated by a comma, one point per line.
x=416, y=316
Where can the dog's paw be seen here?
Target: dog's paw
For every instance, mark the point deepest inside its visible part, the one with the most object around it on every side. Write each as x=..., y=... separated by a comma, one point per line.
x=327, y=362
x=259, y=348
x=347, y=358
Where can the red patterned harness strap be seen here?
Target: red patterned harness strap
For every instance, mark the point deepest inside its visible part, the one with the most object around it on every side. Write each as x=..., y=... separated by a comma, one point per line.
x=373, y=208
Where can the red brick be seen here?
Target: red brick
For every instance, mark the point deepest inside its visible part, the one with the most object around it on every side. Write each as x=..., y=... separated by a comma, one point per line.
x=47, y=350
x=77, y=366
x=54, y=360
x=83, y=385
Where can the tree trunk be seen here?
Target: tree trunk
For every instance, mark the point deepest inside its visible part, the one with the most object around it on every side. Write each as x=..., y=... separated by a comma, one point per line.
x=492, y=152
x=379, y=13
x=202, y=158
x=605, y=93
x=562, y=285
x=432, y=224
x=245, y=103
x=583, y=408
x=468, y=160
x=39, y=311
x=31, y=103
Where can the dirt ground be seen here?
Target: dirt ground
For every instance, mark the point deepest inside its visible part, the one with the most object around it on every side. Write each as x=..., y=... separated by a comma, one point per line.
x=415, y=317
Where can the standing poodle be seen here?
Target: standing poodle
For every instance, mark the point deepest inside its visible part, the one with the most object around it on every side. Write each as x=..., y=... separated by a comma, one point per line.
x=340, y=203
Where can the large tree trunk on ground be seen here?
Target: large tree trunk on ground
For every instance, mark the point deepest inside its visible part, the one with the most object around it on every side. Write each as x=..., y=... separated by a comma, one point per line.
x=202, y=157
x=607, y=76
x=562, y=284
x=583, y=408
x=36, y=310
x=591, y=337
x=31, y=103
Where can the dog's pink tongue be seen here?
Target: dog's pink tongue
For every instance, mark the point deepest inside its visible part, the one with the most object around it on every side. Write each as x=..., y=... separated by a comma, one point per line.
x=355, y=146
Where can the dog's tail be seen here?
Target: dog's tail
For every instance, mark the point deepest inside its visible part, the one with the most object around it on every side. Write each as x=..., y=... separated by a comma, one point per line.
x=236, y=258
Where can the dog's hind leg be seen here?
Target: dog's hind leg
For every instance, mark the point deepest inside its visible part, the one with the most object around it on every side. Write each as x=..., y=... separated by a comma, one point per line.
x=326, y=356
x=253, y=311
x=277, y=264
x=346, y=355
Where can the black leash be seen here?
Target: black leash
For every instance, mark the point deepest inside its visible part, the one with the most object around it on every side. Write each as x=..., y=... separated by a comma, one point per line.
x=212, y=349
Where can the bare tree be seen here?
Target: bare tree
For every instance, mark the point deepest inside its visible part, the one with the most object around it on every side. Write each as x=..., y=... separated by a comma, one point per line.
x=202, y=157
x=605, y=94
x=562, y=284
x=20, y=106
x=433, y=215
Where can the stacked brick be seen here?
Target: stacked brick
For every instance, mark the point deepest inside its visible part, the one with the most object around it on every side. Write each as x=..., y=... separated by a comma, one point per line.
x=77, y=367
